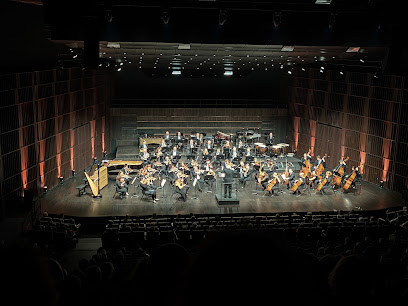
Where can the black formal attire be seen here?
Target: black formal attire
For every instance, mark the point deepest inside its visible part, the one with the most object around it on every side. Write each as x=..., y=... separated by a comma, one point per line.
x=291, y=180
x=123, y=189
x=335, y=171
x=149, y=190
x=228, y=180
x=317, y=163
x=270, y=140
x=303, y=160
x=328, y=185
x=182, y=191
x=209, y=180
x=301, y=187
x=199, y=177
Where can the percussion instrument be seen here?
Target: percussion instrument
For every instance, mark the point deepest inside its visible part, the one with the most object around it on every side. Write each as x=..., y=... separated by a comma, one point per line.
x=257, y=144
x=262, y=148
x=284, y=147
x=276, y=149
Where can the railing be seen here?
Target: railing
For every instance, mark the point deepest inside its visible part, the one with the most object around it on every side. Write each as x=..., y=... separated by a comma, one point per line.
x=200, y=103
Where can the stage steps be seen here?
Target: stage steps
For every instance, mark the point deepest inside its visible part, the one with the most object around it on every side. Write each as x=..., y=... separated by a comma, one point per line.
x=127, y=153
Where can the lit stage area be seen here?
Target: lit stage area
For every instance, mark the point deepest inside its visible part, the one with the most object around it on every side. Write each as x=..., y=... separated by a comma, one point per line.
x=68, y=200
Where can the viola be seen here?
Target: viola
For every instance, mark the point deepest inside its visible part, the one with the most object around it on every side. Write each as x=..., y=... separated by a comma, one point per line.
x=179, y=183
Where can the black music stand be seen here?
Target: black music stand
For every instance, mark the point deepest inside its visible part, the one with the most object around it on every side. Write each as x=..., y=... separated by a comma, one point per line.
x=211, y=151
x=134, y=195
x=249, y=159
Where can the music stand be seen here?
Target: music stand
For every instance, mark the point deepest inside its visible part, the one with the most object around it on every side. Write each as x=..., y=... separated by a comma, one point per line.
x=195, y=189
x=249, y=158
x=162, y=183
x=211, y=151
x=134, y=187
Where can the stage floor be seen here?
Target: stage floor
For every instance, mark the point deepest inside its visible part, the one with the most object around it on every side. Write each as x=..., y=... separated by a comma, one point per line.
x=65, y=199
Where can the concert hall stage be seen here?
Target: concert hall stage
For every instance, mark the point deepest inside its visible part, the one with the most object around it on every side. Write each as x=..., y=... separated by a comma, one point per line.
x=65, y=199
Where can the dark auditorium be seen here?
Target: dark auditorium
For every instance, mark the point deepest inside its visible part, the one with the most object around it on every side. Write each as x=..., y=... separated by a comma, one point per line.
x=203, y=152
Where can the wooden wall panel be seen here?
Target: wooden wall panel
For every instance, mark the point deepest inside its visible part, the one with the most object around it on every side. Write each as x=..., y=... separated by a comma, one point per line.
x=371, y=115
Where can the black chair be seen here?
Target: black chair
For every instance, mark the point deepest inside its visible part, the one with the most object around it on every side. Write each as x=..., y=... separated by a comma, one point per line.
x=121, y=194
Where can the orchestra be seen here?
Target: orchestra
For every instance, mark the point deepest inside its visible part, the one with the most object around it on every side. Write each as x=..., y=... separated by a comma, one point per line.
x=236, y=163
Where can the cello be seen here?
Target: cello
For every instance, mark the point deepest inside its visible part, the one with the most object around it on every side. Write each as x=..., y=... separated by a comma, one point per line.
x=272, y=182
x=298, y=182
x=340, y=171
x=324, y=181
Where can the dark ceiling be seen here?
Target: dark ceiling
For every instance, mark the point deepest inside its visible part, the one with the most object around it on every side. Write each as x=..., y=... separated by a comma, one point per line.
x=191, y=37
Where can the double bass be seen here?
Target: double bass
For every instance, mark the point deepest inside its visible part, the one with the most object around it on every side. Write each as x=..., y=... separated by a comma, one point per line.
x=308, y=165
x=350, y=179
x=340, y=171
x=320, y=168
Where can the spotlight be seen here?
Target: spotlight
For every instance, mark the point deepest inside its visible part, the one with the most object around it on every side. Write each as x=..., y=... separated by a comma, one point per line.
x=222, y=17
x=277, y=19
x=165, y=16
x=61, y=179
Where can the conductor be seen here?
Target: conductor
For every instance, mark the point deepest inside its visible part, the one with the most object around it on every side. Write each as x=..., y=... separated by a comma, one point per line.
x=228, y=180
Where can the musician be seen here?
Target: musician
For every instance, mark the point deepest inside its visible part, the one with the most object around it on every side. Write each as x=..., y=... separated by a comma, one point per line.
x=147, y=185
x=241, y=144
x=291, y=178
x=271, y=167
x=143, y=145
x=122, y=186
x=357, y=178
x=197, y=175
x=275, y=189
x=270, y=139
x=246, y=173
x=228, y=179
x=209, y=145
x=159, y=154
x=172, y=173
x=234, y=153
x=328, y=184
x=144, y=156
x=305, y=157
x=209, y=178
x=167, y=138
x=302, y=185
x=181, y=188
x=226, y=149
x=163, y=143
x=191, y=147
x=262, y=178
x=205, y=153
x=248, y=151
x=343, y=164
x=319, y=161
x=314, y=179
x=179, y=137
x=198, y=140
x=175, y=153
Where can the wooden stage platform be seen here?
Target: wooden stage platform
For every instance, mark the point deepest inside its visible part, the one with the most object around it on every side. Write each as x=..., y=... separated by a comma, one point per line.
x=65, y=199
